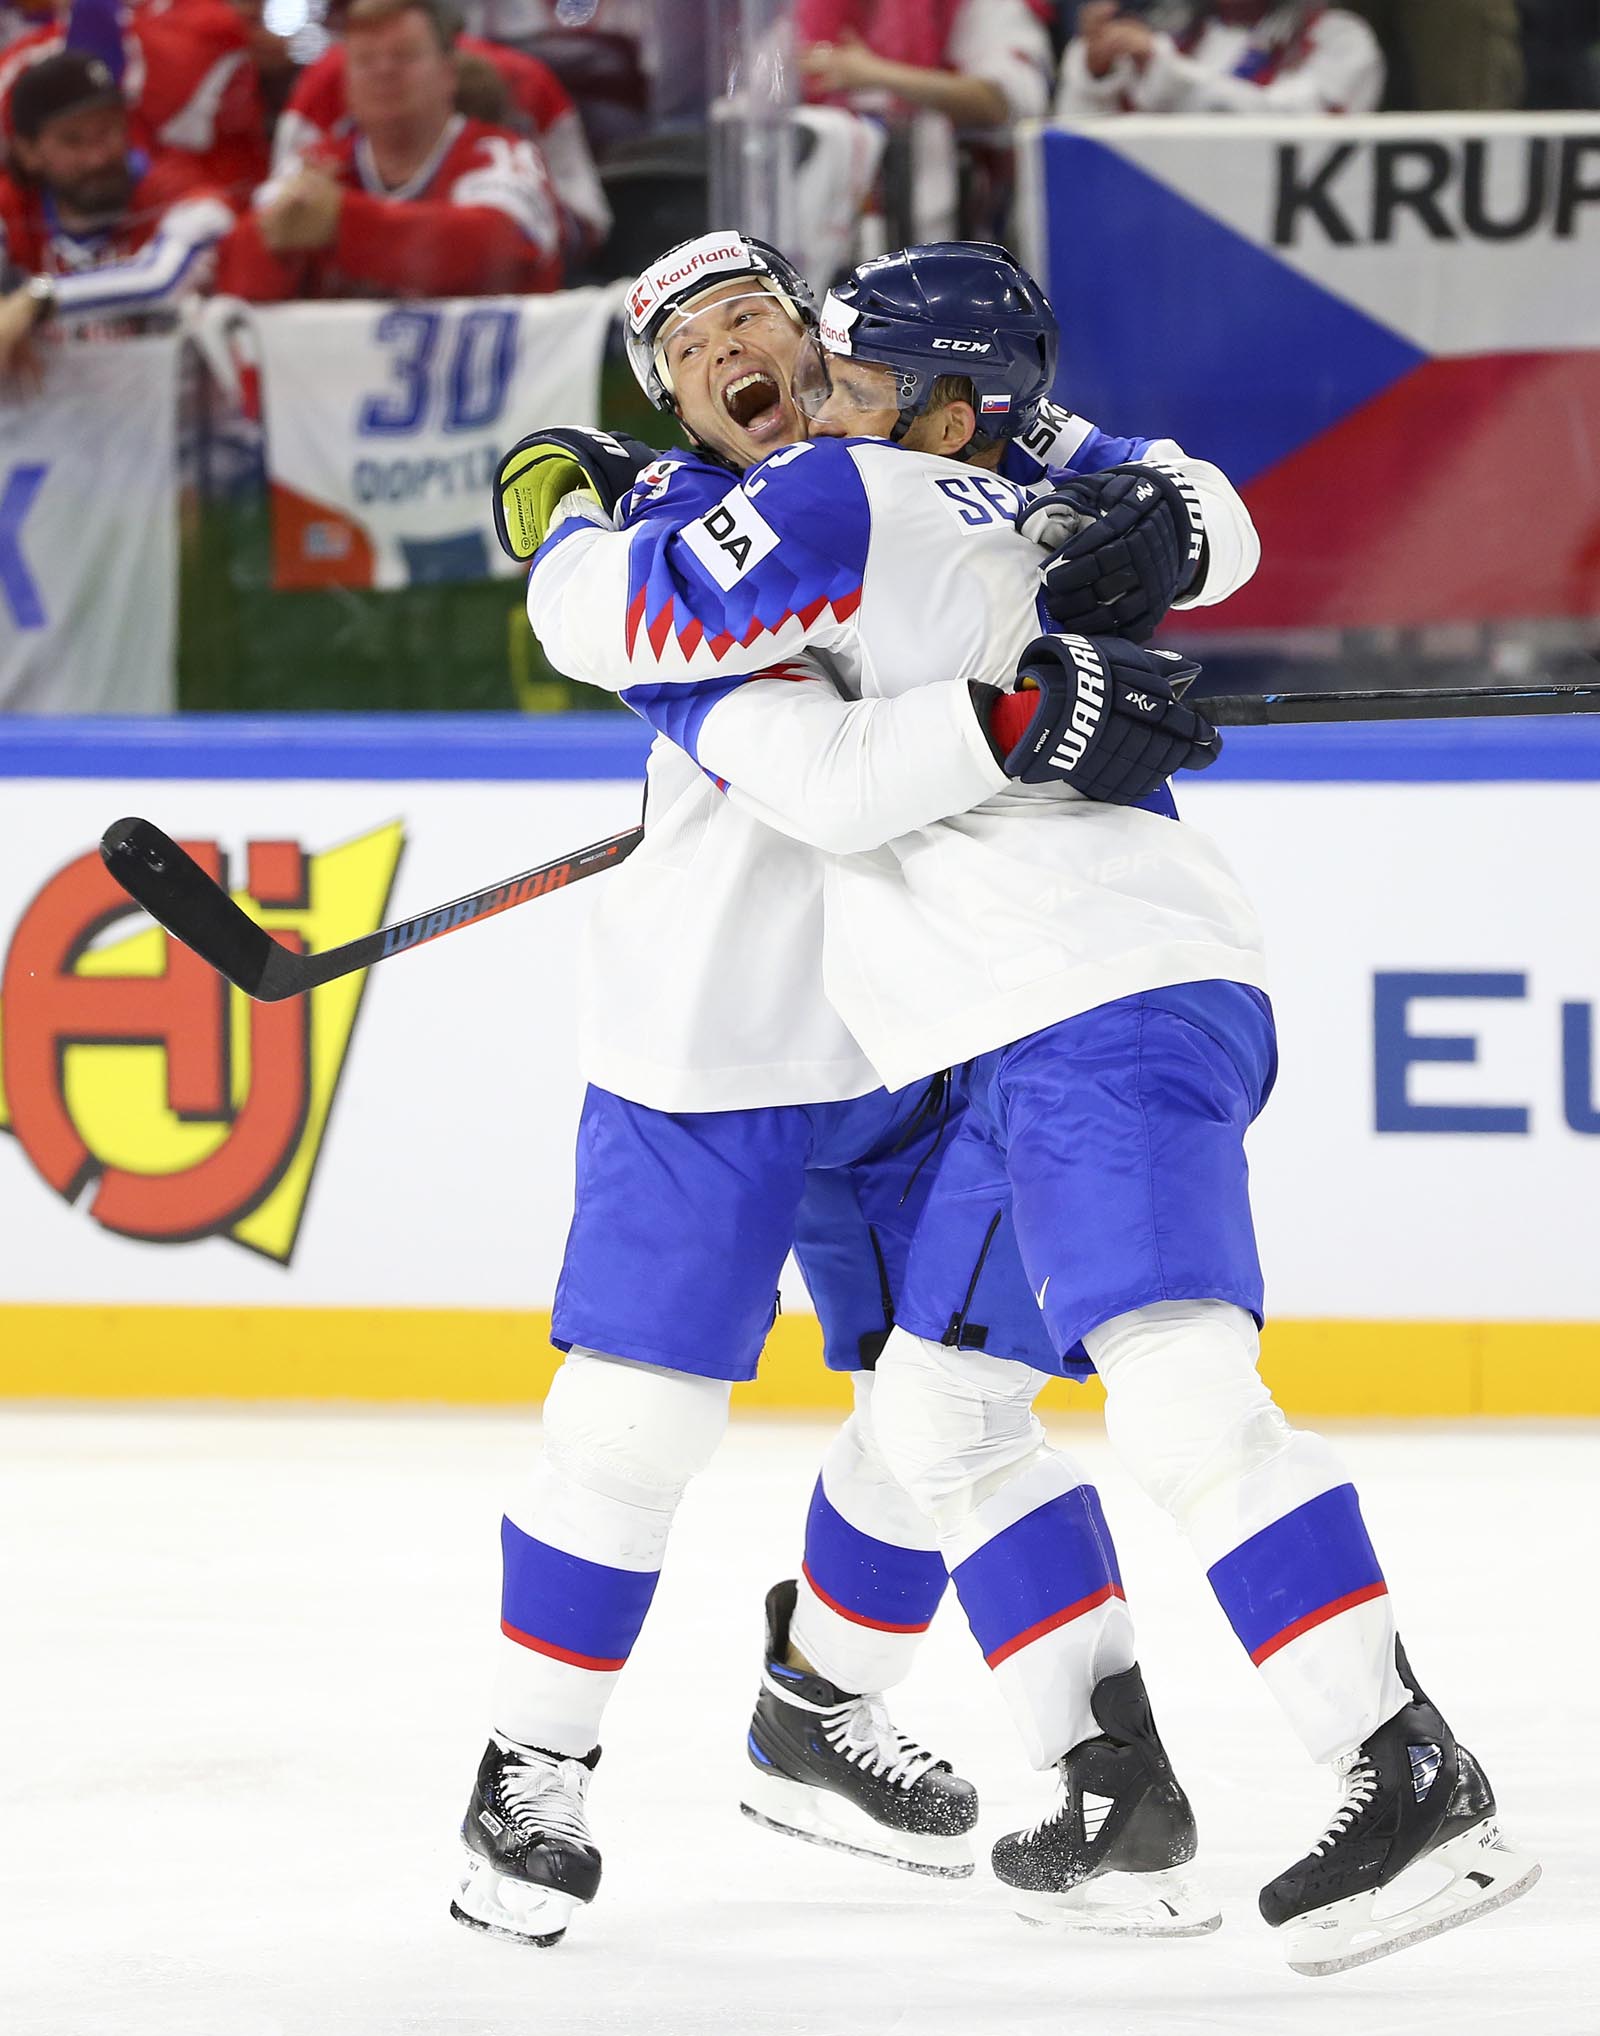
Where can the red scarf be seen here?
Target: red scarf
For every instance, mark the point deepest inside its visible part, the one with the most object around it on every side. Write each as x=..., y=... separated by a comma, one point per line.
x=905, y=31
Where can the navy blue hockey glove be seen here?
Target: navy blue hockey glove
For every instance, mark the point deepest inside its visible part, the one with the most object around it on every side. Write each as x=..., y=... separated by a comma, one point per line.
x=540, y=470
x=1103, y=719
x=1124, y=545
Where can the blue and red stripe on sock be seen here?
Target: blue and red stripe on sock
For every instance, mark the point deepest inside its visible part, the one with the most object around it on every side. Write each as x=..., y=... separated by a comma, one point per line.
x=870, y=1582
x=1053, y=1566
x=584, y=1613
x=1296, y=1574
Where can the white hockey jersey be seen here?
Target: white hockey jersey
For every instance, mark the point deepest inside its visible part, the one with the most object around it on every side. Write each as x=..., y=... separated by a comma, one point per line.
x=899, y=577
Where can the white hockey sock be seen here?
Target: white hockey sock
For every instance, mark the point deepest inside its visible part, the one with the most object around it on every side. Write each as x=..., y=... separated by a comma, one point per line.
x=1020, y=1527
x=872, y=1576
x=1269, y=1510
x=582, y=1546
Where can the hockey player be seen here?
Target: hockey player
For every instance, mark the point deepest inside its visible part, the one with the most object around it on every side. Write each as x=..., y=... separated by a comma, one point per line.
x=704, y=1000
x=1100, y=970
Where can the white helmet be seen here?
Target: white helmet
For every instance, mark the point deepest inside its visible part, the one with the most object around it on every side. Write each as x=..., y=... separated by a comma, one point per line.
x=684, y=273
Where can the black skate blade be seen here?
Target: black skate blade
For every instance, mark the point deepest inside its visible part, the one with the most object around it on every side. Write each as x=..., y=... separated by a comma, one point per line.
x=959, y=1870
x=506, y=1936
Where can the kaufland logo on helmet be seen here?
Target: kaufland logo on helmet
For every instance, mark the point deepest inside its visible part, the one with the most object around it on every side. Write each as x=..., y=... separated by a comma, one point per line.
x=705, y=256
x=835, y=323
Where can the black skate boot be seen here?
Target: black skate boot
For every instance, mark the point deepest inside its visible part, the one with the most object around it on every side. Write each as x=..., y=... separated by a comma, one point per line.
x=829, y=1767
x=1108, y=1857
x=530, y=1860
x=1411, y=1794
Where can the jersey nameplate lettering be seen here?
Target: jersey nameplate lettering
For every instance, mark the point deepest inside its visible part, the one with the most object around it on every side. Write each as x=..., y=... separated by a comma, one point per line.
x=731, y=539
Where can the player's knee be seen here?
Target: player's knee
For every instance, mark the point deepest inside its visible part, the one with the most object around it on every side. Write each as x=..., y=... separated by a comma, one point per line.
x=632, y=1429
x=1186, y=1409
x=953, y=1426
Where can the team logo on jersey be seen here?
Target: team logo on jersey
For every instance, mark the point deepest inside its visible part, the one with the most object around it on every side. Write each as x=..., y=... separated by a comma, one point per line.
x=134, y=1078
x=731, y=539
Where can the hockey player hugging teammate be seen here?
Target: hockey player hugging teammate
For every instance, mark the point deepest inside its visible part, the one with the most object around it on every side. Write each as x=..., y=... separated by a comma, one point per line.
x=873, y=768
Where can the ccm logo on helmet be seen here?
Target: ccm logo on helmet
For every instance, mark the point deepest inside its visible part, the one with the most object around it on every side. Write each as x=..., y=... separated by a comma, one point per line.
x=963, y=346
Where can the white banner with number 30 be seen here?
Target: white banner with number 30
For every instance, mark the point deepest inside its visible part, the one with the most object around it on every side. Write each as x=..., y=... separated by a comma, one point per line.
x=385, y=422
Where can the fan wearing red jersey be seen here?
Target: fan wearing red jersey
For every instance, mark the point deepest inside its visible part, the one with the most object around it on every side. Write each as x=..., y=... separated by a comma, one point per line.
x=318, y=113
x=196, y=75
x=417, y=200
x=100, y=230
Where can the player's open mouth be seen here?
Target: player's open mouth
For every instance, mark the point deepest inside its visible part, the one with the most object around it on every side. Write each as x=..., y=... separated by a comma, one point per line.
x=755, y=403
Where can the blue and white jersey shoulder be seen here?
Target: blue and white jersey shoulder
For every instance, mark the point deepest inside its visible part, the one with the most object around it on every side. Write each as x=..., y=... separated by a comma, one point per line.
x=778, y=555
x=1058, y=444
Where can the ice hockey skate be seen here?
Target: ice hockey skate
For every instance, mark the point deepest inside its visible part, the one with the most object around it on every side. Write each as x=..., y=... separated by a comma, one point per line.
x=1110, y=1855
x=530, y=1861
x=829, y=1767
x=1413, y=1849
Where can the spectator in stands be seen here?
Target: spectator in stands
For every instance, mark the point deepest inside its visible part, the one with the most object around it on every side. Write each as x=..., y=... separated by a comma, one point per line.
x=538, y=104
x=200, y=76
x=417, y=199
x=1449, y=55
x=100, y=232
x=981, y=63
x=1220, y=56
x=928, y=67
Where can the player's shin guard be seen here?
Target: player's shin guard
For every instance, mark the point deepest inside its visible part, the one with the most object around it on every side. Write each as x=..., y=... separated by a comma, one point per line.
x=1269, y=1511
x=582, y=1547
x=872, y=1575
x=1019, y=1526
x=1037, y=1576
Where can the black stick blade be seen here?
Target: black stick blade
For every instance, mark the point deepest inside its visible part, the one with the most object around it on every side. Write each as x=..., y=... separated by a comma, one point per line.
x=171, y=886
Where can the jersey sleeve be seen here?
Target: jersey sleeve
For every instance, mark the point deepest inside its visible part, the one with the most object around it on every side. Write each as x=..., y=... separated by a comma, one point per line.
x=772, y=567
x=171, y=264
x=841, y=775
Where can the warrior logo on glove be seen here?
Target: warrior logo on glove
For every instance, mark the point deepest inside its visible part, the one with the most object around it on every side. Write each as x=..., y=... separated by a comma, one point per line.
x=1105, y=718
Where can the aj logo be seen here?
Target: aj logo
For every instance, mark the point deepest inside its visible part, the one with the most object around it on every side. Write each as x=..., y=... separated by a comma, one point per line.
x=131, y=1071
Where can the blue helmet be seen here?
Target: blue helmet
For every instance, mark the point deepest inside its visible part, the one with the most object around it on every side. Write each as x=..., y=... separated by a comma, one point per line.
x=950, y=308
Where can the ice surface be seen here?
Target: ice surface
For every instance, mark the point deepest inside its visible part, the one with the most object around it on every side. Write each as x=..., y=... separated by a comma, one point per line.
x=245, y=1663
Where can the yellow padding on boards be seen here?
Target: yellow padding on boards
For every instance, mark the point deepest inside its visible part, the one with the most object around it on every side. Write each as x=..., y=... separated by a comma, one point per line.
x=472, y=1357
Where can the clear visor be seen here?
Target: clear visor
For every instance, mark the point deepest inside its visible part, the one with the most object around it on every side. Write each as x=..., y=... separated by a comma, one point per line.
x=854, y=396
x=757, y=313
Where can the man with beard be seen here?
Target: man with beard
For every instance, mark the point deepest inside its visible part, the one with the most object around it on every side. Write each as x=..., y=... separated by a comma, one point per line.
x=99, y=230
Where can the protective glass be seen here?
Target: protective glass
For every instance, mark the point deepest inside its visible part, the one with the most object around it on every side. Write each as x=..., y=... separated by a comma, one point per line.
x=846, y=393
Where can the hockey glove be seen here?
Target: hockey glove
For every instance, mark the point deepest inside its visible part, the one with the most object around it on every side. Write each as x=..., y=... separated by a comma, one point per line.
x=1119, y=573
x=1101, y=717
x=540, y=470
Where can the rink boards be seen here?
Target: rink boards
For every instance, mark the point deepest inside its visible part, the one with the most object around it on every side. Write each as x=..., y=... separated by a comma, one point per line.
x=367, y=1198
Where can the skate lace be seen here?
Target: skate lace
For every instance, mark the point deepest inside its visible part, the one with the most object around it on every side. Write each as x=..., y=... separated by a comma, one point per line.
x=1058, y=1807
x=1360, y=1786
x=861, y=1730
x=544, y=1797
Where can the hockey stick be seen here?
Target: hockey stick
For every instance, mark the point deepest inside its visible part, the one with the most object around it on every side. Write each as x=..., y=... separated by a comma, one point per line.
x=173, y=889
x=1406, y=703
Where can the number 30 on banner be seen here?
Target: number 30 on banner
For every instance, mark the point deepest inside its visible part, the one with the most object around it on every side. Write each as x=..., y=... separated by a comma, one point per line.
x=451, y=369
